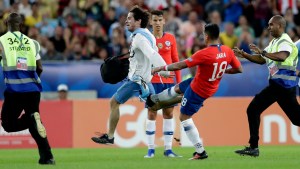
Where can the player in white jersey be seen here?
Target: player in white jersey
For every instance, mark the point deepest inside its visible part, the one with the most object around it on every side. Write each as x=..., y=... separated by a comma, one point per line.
x=143, y=56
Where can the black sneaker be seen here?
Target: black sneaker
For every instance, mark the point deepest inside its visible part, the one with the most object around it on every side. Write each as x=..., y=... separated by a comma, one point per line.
x=47, y=162
x=103, y=139
x=254, y=152
x=197, y=156
x=149, y=102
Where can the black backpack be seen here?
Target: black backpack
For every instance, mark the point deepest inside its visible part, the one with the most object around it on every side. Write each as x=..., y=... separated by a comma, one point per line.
x=115, y=69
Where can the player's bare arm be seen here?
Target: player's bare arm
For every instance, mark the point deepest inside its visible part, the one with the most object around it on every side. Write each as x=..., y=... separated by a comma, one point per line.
x=171, y=67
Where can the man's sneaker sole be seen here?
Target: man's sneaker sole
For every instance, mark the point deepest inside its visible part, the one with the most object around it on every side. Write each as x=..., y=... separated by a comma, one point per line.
x=247, y=151
x=252, y=155
x=47, y=162
x=171, y=154
x=96, y=141
x=39, y=126
x=247, y=155
x=202, y=158
x=147, y=156
x=197, y=156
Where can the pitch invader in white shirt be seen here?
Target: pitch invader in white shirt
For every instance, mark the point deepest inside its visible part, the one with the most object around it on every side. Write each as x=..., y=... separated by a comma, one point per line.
x=143, y=56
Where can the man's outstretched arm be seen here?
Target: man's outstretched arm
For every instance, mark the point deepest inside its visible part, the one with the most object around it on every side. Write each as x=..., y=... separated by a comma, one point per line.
x=172, y=67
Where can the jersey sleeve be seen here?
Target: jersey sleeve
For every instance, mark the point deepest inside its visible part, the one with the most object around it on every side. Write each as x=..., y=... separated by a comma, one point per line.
x=38, y=57
x=194, y=59
x=285, y=46
x=37, y=48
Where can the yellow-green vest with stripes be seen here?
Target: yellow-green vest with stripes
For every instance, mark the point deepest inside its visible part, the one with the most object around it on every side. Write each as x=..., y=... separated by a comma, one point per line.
x=286, y=74
x=19, y=63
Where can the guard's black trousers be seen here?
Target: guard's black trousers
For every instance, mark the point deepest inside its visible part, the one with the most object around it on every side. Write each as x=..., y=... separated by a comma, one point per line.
x=14, y=104
x=286, y=98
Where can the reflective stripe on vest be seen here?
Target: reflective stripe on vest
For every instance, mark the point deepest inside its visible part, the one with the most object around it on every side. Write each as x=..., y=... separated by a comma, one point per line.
x=284, y=77
x=292, y=68
x=21, y=81
x=10, y=68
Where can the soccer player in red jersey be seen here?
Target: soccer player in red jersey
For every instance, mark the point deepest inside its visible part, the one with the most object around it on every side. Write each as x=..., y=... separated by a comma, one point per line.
x=212, y=63
x=167, y=48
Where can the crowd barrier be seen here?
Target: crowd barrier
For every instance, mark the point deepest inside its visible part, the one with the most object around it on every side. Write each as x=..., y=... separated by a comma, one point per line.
x=222, y=121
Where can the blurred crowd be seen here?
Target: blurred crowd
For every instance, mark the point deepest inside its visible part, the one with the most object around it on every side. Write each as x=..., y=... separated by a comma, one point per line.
x=74, y=30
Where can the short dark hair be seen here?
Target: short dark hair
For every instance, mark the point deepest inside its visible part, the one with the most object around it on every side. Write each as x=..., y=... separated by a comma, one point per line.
x=157, y=12
x=280, y=20
x=212, y=30
x=14, y=19
x=138, y=14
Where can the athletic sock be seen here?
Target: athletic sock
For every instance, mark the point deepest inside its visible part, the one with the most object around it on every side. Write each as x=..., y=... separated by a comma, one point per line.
x=165, y=95
x=150, y=133
x=168, y=130
x=193, y=134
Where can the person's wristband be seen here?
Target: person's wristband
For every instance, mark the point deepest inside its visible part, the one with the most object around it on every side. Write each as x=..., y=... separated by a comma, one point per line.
x=166, y=68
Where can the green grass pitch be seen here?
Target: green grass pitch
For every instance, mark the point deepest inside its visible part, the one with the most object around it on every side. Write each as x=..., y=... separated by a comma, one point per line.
x=271, y=157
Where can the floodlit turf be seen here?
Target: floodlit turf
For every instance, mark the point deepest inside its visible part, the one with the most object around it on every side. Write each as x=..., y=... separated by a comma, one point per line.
x=271, y=157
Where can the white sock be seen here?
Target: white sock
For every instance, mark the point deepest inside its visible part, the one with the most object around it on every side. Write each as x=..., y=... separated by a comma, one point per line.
x=150, y=133
x=168, y=130
x=165, y=95
x=193, y=134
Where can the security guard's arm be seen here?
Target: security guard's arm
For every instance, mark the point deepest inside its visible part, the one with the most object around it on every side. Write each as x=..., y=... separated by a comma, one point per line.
x=298, y=73
x=256, y=58
x=39, y=67
x=277, y=56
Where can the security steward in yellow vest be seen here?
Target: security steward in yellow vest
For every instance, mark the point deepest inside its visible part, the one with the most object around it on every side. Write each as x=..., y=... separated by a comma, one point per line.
x=21, y=65
x=281, y=57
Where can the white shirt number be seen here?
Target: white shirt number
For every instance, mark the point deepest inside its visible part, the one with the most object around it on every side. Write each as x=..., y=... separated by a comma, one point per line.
x=216, y=75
